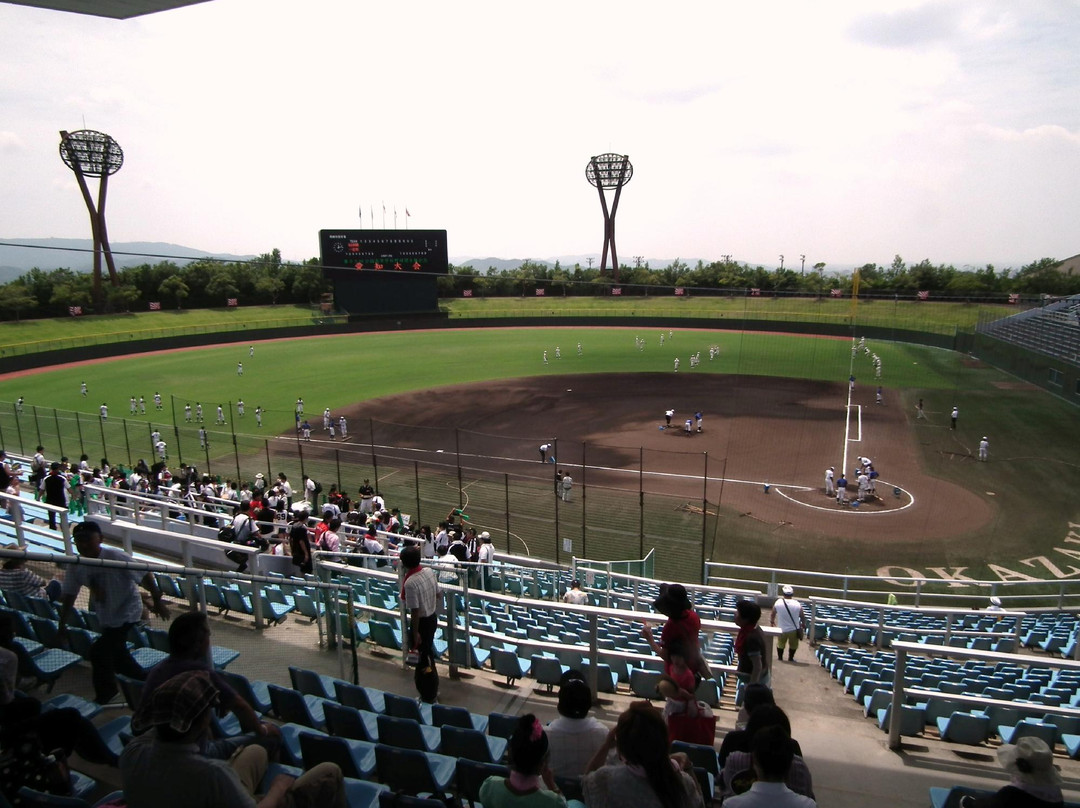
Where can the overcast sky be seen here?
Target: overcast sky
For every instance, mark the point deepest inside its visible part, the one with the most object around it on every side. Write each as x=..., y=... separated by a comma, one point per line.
x=845, y=131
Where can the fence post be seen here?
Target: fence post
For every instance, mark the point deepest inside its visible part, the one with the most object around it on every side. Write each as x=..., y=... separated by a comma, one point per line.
x=78, y=426
x=506, y=490
x=59, y=436
x=236, y=455
x=641, y=501
x=18, y=428
x=37, y=426
x=269, y=469
x=583, y=494
x=127, y=443
x=337, y=467
x=416, y=482
x=457, y=453
x=704, y=511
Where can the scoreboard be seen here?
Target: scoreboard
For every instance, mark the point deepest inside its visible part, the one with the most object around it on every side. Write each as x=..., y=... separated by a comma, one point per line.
x=384, y=271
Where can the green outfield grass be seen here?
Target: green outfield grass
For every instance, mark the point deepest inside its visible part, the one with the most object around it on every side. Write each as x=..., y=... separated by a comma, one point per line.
x=937, y=318
x=1032, y=476
x=32, y=336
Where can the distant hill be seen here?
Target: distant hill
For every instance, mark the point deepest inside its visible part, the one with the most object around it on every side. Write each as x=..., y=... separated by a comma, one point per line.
x=481, y=265
x=19, y=255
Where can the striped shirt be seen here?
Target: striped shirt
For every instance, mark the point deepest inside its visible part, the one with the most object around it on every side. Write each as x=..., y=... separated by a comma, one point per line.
x=421, y=592
x=22, y=581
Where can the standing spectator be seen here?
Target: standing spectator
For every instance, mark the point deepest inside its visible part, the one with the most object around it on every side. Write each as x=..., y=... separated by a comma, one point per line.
x=420, y=591
x=486, y=557
x=114, y=595
x=367, y=495
x=331, y=542
x=16, y=577
x=531, y=783
x=646, y=777
x=787, y=613
x=575, y=595
x=575, y=735
x=750, y=647
x=38, y=469
x=567, y=485
x=683, y=627
x=309, y=489
x=55, y=490
x=300, y=543
x=163, y=768
x=286, y=490
x=427, y=542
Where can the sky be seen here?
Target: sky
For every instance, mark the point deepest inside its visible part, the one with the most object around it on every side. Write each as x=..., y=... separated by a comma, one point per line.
x=848, y=132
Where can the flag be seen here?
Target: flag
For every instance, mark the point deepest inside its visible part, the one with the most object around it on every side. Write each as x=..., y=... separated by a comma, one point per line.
x=1014, y=298
x=679, y=291
x=922, y=295
x=155, y=306
x=75, y=311
x=231, y=301
x=616, y=290
x=539, y=292
x=466, y=293
x=835, y=293
x=755, y=292
x=407, y=212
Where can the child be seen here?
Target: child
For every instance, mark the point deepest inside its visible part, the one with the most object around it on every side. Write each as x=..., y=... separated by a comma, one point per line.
x=677, y=683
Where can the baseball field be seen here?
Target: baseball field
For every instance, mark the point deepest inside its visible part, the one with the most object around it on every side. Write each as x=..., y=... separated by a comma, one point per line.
x=453, y=418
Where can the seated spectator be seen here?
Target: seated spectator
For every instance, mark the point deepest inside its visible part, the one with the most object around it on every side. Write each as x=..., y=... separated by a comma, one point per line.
x=574, y=594
x=163, y=768
x=189, y=650
x=1034, y=782
x=575, y=735
x=647, y=776
x=16, y=577
x=677, y=683
x=738, y=740
x=531, y=783
x=773, y=753
x=738, y=772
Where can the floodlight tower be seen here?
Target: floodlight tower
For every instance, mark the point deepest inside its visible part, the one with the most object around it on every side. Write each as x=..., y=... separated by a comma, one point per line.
x=609, y=171
x=94, y=154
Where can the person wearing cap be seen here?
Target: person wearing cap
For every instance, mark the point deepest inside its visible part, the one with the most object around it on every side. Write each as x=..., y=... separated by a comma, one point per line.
x=787, y=615
x=189, y=650
x=995, y=605
x=575, y=735
x=164, y=768
x=420, y=592
x=830, y=481
x=984, y=449
x=575, y=595
x=114, y=595
x=1034, y=781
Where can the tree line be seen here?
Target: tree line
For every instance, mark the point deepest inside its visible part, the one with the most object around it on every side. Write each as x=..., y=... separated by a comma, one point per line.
x=204, y=283
x=267, y=279
x=940, y=280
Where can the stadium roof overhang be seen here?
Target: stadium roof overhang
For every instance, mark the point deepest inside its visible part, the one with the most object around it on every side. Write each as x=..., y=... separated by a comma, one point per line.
x=117, y=9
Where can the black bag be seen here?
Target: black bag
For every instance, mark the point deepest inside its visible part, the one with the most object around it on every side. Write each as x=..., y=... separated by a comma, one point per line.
x=427, y=681
x=226, y=534
x=318, y=487
x=28, y=765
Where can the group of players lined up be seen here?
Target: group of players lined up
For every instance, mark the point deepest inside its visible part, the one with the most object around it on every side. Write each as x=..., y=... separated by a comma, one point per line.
x=875, y=360
x=863, y=482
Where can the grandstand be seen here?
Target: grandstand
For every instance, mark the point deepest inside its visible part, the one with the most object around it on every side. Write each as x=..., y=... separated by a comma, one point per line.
x=1052, y=330
x=329, y=664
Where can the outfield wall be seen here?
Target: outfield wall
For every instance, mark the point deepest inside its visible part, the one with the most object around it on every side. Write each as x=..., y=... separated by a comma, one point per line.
x=1031, y=366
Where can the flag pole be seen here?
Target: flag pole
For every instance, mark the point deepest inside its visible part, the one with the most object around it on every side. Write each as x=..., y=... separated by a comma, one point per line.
x=395, y=217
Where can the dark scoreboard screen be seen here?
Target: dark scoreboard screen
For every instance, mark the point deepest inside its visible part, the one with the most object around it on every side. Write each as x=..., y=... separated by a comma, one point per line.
x=384, y=271
x=422, y=251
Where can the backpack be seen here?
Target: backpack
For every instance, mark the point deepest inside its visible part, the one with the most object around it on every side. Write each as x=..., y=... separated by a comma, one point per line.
x=226, y=534
x=318, y=487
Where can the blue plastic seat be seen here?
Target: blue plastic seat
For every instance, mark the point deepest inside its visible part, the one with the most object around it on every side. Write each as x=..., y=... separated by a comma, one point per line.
x=445, y=715
x=356, y=758
x=294, y=707
x=471, y=774
x=409, y=708
x=256, y=693
x=966, y=728
x=360, y=697
x=411, y=771
x=472, y=744
x=405, y=733
x=508, y=664
x=547, y=670
x=349, y=722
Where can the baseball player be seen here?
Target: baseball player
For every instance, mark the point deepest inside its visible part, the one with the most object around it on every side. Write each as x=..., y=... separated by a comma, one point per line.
x=841, y=490
x=667, y=416
x=984, y=449
x=544, y=449
x=688, y=427
x=239, y=368
x=879, y=398
x=558, y=353
x=955, y=414
x=920, y=413
x=697, y=417
x=676, y=364
x=82, y=389
x=830, y=484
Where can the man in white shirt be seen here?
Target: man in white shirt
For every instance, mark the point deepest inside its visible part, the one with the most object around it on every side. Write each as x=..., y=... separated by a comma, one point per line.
x=773, y=753
x=787, y=615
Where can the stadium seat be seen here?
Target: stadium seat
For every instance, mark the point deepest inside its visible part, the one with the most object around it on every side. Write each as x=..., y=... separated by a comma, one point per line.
x=471, y=775
x=405, y=733
x=256, y=693
x=1028, y=728
x=292, y=706
x=472, y=744
x=356, y=758
x=349, y=722
x=360, y=697
x=445, y=715
x=966, y=728
x=405, y=707
x=508, y=664
x=547, y=670
x=411, y=771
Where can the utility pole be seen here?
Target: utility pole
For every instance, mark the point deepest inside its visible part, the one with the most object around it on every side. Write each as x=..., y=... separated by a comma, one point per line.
x=781, y=262
x=802, y=264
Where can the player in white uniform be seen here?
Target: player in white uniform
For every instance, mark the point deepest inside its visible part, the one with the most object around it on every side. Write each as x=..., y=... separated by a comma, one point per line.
x=343, y=426
x=830, y=484
x=240, y=408
x=984, y=449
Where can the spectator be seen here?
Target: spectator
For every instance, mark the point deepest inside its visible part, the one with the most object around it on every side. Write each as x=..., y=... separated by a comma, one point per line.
x=331, y=542
x=575, y=595
x=647, y=777
x=683, y=625
x=750, y=646
x=54, y=488
x=677, y=683
x=17, y=578
x=738, y=740
x=115, y=597
x=1034, y=782
x=299, y=542
x=420, y=591
x=575, y=735
x=163, y=769
x=773, y=753
x=788, y=613
x=427, y=542
x=189, y=650
x=485, y=557
x=531, y=783
x=738, y=772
